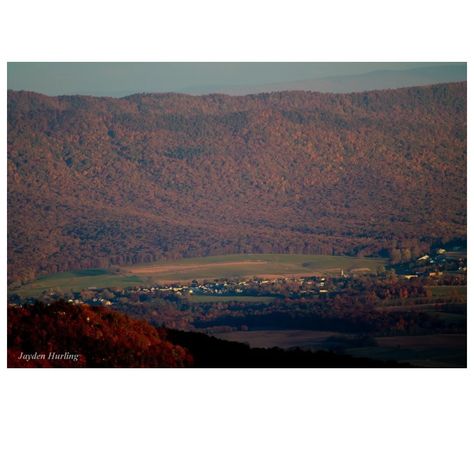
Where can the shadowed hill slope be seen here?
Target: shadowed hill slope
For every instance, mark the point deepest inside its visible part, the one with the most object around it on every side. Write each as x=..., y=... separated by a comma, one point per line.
x=39, y=335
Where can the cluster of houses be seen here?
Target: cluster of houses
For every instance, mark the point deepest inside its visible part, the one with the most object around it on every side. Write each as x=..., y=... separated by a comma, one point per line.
x=246, y=287
x=435, y=265
x=250, y=287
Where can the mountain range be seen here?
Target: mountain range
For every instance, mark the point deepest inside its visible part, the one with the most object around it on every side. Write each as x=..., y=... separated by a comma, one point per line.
x=95, y=181
x=373, y=80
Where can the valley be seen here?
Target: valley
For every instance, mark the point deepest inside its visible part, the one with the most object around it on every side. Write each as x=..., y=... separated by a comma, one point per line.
x=266, y=266
x=333, y=222
x=411, y=313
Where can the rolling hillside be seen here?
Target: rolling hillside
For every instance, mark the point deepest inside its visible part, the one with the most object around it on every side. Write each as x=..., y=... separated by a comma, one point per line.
x=94, y=182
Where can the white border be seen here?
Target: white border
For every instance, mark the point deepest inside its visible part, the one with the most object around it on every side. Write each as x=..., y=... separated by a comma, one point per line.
x=333, y=421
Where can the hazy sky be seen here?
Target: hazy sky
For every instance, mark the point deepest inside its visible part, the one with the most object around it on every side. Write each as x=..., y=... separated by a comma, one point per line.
x=120, y=79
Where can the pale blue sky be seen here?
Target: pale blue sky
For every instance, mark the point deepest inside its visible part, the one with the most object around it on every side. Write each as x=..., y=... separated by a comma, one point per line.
x=120, y=79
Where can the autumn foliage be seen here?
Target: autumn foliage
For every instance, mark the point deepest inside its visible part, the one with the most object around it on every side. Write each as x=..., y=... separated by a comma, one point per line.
x=101, y=338
x=95, y=181
x=109, y=339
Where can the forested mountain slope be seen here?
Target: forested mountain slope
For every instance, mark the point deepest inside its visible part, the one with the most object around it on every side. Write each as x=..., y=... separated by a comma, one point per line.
x=98, y=181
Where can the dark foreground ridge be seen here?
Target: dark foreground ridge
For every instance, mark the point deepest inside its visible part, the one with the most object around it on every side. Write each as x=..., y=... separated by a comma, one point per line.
x=70, y=336
x=213, y=352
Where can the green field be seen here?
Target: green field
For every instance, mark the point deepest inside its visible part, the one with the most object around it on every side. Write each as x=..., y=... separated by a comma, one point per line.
x=248, y=265
x=444, y=291
x=210, y=268
x=77, y=281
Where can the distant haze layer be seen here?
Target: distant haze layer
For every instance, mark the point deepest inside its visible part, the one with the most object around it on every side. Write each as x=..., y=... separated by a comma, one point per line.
x=123, y=79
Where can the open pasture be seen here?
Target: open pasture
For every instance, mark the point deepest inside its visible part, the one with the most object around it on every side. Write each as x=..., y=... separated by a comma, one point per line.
x=77, y=281
x=206, y=268
x=248, y=265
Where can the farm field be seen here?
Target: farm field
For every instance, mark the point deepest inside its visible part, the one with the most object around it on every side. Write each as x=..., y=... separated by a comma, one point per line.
x=438, y=350
x=248, y=265
x=188, y=269
x=444, y=291
x=280, y=338
x=77, y=281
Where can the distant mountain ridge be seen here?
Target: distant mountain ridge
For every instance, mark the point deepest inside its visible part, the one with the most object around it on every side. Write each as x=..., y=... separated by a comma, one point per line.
x=96, y=181
x=374, y=80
